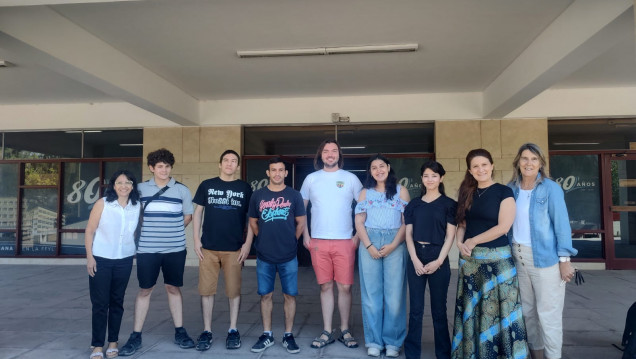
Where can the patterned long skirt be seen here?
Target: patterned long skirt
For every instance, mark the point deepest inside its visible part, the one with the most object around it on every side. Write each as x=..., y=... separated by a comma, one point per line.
x=488, y=319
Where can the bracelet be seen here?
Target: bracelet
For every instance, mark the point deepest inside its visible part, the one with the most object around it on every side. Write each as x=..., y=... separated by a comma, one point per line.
x=370, y=244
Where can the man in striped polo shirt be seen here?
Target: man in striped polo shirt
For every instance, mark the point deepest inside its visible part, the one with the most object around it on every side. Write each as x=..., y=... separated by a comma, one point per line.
x=162, y=246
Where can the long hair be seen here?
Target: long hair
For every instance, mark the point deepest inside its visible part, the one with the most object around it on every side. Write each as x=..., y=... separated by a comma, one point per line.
x=111, y=194
x=390, y=187
x=437, y=168
x=318, y=164
x=516, y=170
x=469, y=184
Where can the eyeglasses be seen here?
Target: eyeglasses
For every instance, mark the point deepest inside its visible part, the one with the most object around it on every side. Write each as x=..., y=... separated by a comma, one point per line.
x=127, y=183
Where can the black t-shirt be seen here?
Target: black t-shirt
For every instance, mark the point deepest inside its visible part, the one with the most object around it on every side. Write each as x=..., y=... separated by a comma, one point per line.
x=226, y=205
x=429, y=220
x=276, y=212
x=484, y=214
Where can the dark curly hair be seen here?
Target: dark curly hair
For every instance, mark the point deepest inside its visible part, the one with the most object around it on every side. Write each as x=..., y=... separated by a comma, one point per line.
x=160, y=155
x=390, y=186
x=111, y=194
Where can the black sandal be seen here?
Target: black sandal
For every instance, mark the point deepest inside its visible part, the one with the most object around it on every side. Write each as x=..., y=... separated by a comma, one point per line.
x=348, y=341
x=323, y=342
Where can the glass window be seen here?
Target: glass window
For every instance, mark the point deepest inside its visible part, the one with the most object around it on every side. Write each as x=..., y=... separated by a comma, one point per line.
x=7, y=243
x=41, y=174
x=407, y=170
x=73, y=244
x=592, y=134
x=113, y=143
x=112, y=167
x=81, y=190
x=8, y=195
x=42, y=145
x=355, y=139
x=39, y=222
x=578, y=175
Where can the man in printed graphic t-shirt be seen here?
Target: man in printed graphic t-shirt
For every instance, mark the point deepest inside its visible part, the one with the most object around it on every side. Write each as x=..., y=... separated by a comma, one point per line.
x=222, y=204
x=277, y=218
x=162, y=246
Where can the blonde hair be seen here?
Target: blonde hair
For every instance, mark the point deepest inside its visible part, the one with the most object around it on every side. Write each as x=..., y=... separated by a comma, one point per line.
x=516, y=172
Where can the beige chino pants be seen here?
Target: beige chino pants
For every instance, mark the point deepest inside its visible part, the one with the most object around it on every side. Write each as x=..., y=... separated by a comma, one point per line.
x=542, y=298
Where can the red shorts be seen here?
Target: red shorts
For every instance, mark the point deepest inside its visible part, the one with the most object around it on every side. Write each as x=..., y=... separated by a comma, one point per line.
x=333, y=259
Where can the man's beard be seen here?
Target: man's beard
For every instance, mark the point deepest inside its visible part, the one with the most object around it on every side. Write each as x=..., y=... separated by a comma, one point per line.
x=326, y=165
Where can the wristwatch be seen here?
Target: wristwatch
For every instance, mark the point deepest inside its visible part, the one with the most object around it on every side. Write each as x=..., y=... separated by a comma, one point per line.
x=564, y=259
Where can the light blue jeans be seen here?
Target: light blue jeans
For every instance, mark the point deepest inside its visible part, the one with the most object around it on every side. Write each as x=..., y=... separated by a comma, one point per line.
x=383, y=291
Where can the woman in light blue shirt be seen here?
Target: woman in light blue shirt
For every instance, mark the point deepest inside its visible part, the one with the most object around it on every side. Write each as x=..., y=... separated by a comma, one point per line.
x=110, y=247
x=542, y=245
x=382, y=258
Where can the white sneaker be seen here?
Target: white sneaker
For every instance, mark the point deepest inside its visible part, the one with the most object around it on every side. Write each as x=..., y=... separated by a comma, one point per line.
x=390, y=353
x=373, y=352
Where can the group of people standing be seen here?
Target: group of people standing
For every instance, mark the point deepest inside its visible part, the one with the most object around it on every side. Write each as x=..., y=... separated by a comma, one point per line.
x=514, y=243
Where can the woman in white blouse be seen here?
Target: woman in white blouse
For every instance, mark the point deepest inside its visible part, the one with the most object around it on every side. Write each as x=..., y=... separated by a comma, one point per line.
x=110, y=247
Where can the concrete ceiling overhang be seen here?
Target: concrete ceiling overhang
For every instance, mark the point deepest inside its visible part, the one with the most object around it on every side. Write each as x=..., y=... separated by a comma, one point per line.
x=164, y=56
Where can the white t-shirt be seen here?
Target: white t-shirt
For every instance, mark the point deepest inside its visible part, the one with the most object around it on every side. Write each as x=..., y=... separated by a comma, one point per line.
x=521, y=225
x=331, y=195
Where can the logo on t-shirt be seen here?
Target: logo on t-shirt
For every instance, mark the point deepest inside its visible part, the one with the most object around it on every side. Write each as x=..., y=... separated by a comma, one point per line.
x=275, y=208
x=339, y=184
x=225, y=199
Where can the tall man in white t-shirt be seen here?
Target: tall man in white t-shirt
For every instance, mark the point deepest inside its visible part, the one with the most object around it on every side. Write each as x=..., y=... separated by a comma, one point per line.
x=332, y=191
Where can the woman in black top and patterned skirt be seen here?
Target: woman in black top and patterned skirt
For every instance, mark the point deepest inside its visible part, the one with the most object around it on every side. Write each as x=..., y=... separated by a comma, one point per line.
x=488, y=319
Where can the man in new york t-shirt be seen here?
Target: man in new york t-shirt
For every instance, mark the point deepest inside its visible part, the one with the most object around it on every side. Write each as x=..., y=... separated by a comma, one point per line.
x=222, y=204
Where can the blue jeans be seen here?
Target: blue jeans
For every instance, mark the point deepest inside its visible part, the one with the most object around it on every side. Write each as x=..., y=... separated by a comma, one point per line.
x=438, y=287
x=383, y=291
x=287, y=272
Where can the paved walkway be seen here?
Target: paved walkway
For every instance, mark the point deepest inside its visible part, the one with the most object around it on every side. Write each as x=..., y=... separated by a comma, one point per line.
x=45, y=313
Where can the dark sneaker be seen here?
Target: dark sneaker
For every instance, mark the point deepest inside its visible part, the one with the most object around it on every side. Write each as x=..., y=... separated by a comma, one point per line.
x=204, y=342
x=233, y=340
x=182, y=339
x=131, y=346
x=290, y=344
x=264, y=341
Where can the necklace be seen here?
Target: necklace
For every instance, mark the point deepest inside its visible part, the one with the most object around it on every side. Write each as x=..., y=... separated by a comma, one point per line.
x=479, y=194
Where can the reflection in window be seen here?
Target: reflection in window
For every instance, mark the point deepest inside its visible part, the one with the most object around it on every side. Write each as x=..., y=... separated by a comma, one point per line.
x=578, y=176
x=111, y=167
x=81, y=191
x=42, y=145
x=41, y=174
x=8, y=196
x=113, y=143
x=39, y=222
x=73, y=244
x=7, y=243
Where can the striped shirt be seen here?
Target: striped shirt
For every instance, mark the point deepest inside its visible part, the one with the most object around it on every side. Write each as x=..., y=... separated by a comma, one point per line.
x=381, y=212
x=163, y=229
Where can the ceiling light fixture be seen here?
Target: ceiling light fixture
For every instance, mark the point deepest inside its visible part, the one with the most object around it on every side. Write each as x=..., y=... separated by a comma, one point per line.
x=328, y=50
x=575, y=143
x=5, y=63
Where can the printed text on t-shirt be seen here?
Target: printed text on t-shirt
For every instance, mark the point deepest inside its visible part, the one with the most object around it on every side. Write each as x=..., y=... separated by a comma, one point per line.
x=275, y=208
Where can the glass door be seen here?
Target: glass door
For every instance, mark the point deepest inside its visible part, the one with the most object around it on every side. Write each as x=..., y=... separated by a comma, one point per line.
x=621, y=252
